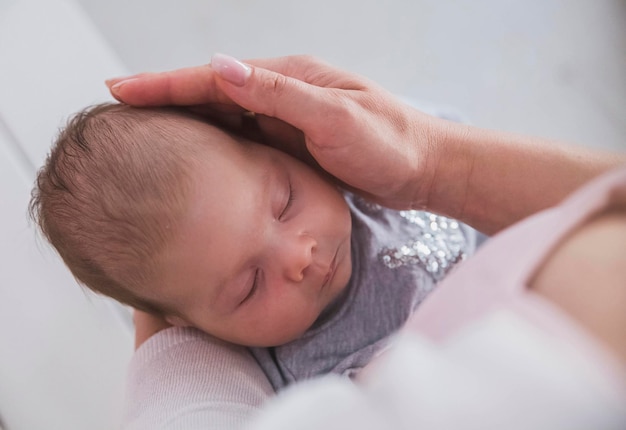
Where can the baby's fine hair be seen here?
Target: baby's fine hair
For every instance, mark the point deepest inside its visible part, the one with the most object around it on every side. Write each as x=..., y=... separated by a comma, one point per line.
x=111, y=194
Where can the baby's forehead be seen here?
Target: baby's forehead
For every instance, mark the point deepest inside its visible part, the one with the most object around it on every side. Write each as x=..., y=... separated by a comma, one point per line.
x=190, y=135
x=218, y=143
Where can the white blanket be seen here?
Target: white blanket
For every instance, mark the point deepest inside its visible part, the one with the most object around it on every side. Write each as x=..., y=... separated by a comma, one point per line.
x=499, y=373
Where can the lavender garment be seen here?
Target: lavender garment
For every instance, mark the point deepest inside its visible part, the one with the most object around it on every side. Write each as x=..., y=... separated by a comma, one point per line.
x=398, y=257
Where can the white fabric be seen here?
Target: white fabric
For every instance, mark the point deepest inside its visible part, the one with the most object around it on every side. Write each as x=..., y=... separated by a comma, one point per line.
x=499, y=373
x=184, y=379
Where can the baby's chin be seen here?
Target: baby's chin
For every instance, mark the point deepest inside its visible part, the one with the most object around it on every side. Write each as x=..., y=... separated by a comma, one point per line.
x=333, y=306
x=279, y=333
x=278, y=340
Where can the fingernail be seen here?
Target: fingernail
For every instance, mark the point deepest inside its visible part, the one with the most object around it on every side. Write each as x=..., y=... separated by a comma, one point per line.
x=230, y=69
x=113, y=81
x=116, y=88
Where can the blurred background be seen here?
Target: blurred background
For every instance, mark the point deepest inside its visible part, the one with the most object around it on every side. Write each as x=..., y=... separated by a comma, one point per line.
x=548, y=67
x=555, y=68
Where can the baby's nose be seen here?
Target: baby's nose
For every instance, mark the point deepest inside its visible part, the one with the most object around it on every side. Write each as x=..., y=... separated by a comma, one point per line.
x=299, y=256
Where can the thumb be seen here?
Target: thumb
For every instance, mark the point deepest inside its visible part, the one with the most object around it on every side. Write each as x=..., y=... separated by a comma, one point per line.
x=304, y=106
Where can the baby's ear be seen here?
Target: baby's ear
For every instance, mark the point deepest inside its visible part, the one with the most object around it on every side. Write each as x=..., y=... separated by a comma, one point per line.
x=176, y=321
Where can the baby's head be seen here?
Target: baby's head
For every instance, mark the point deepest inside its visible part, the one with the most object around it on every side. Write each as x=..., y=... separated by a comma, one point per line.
x=169, y=214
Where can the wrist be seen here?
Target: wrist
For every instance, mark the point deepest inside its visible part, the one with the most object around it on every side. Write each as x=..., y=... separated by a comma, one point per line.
x=481, y=177
x=491, y=179
x=445, y=166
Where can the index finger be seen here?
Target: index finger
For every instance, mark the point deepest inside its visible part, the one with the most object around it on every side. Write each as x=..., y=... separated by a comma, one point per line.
x=182, y=87
x=196, y=85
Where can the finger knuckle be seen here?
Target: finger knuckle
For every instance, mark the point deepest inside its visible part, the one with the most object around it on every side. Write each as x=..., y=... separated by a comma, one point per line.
x=276, y=84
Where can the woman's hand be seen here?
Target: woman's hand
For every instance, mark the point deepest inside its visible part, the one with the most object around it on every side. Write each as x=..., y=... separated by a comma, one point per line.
x=354, y=129
x=366, y=138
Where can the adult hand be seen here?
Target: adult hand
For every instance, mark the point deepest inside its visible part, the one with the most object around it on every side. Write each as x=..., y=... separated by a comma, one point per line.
x=354, y=129
x=366, y=138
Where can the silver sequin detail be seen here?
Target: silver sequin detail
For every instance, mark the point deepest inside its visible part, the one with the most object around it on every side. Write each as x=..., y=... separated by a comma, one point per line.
x=439, y=245
x=368, y=206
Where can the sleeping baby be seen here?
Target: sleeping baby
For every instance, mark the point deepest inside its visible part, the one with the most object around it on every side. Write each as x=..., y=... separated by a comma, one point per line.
x=167, y=213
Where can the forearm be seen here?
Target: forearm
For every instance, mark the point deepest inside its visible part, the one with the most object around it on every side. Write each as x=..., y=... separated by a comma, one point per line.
x=491, y=179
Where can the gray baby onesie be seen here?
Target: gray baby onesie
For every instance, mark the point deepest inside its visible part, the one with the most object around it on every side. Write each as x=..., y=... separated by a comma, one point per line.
x=397, y=258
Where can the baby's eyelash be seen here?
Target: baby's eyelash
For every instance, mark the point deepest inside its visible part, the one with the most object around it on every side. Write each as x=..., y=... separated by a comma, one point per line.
x=289, y=202
x=253, y=288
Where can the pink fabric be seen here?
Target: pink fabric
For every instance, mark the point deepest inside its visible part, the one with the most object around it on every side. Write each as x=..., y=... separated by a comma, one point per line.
x=497, y=276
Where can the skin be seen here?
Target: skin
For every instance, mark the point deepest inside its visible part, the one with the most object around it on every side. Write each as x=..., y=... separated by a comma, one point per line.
x=378, y=146
x=595, y=256
x=395, y=155
x=264, y=247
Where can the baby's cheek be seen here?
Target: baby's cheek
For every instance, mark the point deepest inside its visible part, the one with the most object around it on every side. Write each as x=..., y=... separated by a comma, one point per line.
x=303, y=316
x=285, y=316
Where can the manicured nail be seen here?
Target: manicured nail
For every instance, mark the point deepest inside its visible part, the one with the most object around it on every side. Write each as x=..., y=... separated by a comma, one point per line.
x=116, y=88
x=230, y=69
x=112, y=81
